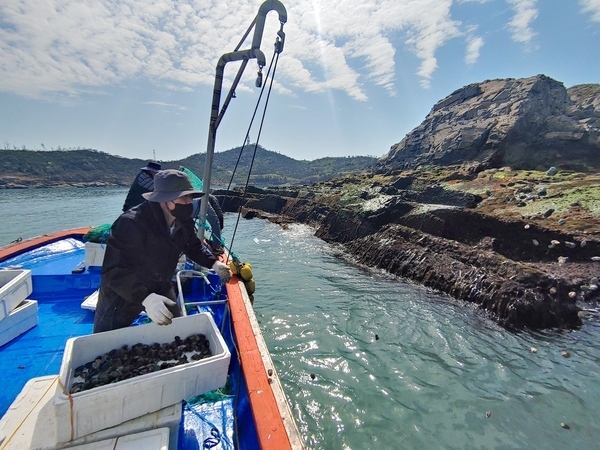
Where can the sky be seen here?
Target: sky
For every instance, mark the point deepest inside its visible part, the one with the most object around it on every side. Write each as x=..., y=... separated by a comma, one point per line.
x=134, y=78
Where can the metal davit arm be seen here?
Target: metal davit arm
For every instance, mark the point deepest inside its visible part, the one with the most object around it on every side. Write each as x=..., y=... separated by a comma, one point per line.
x=253, y=52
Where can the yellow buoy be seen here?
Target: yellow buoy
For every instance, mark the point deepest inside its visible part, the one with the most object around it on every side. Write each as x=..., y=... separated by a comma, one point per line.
x=234, y=267
x=246, y=272
x=250, y=286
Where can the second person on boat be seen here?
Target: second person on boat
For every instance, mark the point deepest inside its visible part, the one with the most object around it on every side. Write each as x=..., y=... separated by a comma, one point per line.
x=142, y=252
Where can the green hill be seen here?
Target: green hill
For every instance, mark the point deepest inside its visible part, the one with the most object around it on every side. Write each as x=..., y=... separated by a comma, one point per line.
x=62, y=168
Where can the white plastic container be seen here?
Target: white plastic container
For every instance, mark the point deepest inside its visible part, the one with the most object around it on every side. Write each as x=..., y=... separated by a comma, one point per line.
x=148, y=440
x=167, y=418
x=21, y=319
x=91, y=301
x=94, y=253
x=112, y=404
x=30, y=422
x=15, y=286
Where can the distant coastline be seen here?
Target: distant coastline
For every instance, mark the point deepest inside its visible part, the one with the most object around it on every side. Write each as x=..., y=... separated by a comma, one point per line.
x=35, y=185
x=25, y=169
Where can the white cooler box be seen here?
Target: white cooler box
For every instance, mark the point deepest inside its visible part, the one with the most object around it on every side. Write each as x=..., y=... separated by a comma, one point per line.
x=147, y=440
x=15, y=286
x=21, y=319
x=94, y=253
x=109, y=405
x=31, y=423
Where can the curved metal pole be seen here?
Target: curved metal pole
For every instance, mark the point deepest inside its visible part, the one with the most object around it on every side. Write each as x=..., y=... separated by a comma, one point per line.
x=253, y=52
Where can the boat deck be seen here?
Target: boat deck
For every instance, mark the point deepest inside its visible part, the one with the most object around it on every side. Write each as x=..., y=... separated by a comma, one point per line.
x=243, y=414
x=38, y=352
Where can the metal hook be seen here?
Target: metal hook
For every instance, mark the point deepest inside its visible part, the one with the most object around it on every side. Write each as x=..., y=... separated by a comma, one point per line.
x=278, y=45
x=259, y=78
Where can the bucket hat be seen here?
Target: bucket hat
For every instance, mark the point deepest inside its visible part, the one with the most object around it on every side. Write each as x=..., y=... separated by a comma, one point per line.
x=171, y=184
x=152, y=166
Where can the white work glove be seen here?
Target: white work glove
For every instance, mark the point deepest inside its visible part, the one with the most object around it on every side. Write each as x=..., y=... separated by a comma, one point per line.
x=222, y=270
x=157, y=310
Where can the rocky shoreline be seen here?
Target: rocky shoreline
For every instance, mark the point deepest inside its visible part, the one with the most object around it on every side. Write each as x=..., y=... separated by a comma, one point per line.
x=475, y=238
x=492, y=199
x=33, y=183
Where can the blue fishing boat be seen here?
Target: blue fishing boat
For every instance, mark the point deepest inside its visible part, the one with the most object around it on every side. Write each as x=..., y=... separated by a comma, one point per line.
x=227, y=396
x=249, y=411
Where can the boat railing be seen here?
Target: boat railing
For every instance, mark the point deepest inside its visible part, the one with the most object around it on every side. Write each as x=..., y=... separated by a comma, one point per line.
x=187, y=274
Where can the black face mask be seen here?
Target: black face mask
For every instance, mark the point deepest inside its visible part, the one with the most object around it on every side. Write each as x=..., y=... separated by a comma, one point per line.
x=182, y=212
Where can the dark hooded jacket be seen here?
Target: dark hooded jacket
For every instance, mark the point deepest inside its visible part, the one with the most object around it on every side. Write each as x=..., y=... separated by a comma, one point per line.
x=141, y=258
x=214, y=203
x=143, y=183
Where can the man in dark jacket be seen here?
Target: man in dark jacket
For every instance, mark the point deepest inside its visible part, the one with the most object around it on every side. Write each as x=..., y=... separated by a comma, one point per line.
x=142, y=252
x=143, y=183
x=214, y=217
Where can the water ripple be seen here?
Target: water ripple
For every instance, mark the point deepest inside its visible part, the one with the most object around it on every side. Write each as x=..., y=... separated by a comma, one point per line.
x=398, y=366
x=371, y=362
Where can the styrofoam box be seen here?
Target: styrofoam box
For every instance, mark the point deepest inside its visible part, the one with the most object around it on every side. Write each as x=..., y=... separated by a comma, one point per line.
x=91, y=301
x=169, y=418
x=15, y=286
x=148, y=440
x=94, y=253
x=112, y=404
x=21, y=319
x=30, y=421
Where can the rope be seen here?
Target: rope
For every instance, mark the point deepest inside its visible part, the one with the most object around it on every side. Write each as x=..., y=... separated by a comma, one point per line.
x=273, y=65
x=216, y=437
x=71, y=417
x=197, y=182
x=236, y=397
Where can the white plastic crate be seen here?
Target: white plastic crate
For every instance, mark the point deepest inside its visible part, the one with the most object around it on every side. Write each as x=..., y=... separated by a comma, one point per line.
x=15, y=286
x=109, y=405
x=94, y=253
x=21, y=319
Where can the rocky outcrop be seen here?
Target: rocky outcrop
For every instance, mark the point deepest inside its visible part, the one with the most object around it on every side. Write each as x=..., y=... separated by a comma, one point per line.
x=530, y=123
x=532, y=263
x=493, y=199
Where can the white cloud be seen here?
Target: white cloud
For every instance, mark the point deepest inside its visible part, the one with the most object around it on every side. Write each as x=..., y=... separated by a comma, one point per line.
x=474, y=44
x=520, y=24
x=73, y=46
x=298, y=107
x=378, y=54
x=592, y=7
x=166, y=105
x=430, y=27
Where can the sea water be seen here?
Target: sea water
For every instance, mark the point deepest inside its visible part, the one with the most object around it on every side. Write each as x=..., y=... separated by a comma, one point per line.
x=369, y=361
